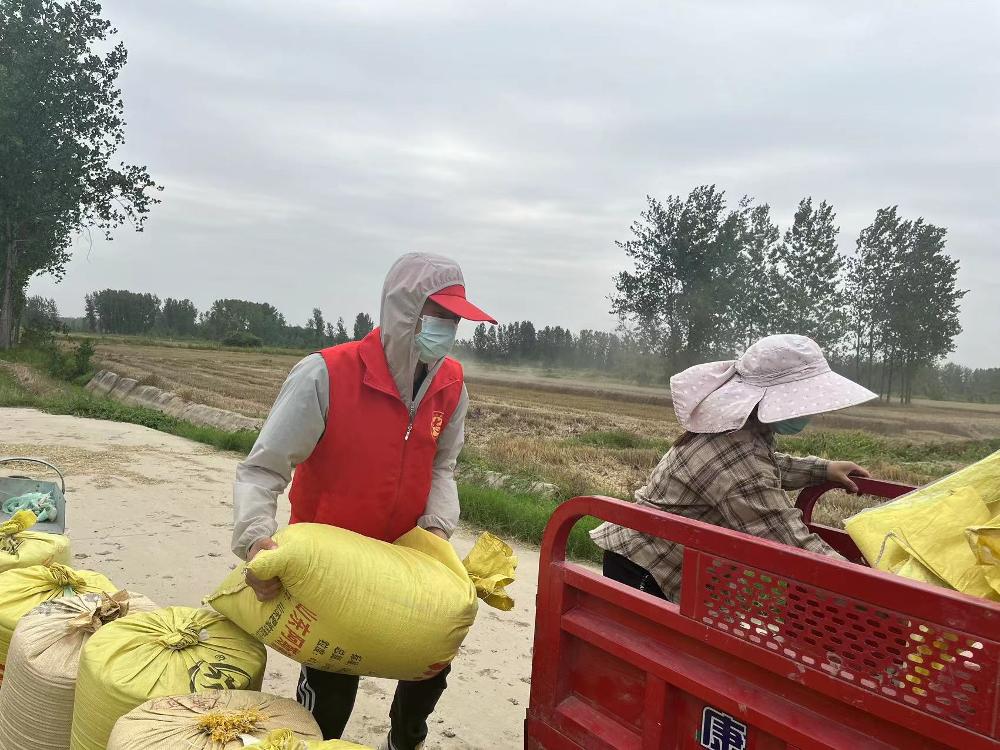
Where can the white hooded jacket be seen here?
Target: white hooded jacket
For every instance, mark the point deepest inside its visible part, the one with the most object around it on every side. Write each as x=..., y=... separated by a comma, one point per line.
x=298, y=417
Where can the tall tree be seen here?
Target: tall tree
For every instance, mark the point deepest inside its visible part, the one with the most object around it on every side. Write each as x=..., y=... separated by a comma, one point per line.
x=317, y=326
x=808, y=274
x=869, y=280
x=122, y=311
x=41, y=314
x=340, y=334
x=926, y=303
x=904, y=302
x=363, y=325
x=61, y=124
x=480, y=343
x=231, y=316
x=756, y=304
x=179, y=317
x=686, y=277
x=90, y=312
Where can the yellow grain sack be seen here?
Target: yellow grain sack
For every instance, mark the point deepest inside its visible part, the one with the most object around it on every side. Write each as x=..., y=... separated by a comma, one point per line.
x=360, y=606
x=20, y=548
x=172, y=651
x=214, y=720
x=926, y=535
x=985, y=543
x=42, y=665
x=286, y=740
x=23, y=589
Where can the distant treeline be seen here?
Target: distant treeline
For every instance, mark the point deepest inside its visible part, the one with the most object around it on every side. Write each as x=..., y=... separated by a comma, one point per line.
x=232, y=322
x=619, y=355
x=519, y=343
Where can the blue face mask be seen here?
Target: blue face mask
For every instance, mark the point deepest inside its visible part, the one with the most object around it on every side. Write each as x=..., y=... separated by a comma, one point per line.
x=436, y=338
x=790, y=426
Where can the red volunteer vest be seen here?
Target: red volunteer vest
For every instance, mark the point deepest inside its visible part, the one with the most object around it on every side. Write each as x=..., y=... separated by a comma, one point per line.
x=371, y=471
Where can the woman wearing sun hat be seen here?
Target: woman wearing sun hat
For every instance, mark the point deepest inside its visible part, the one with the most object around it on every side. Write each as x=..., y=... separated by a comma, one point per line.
x=724, y=469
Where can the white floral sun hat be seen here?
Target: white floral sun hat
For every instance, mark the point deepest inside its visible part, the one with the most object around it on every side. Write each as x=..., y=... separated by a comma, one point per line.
x=785, y=376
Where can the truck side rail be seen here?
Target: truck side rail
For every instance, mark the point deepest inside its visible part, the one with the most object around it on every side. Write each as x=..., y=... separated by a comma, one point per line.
x=808, y=498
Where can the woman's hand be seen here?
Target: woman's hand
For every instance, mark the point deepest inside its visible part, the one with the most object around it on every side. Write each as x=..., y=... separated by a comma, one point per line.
x=841, y=472
x=265, y=590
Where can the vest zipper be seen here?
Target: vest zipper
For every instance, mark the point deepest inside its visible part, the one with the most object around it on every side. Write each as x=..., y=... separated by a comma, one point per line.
x=409, y=425
x=402, y=462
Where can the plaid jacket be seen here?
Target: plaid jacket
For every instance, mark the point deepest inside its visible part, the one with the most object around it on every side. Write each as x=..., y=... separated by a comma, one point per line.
x=735, y=480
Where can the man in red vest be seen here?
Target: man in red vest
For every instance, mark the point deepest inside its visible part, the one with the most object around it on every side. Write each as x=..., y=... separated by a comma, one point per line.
x=374, y=428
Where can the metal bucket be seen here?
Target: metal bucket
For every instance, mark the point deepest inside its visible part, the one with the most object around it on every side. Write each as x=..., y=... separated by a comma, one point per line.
x=18, y=484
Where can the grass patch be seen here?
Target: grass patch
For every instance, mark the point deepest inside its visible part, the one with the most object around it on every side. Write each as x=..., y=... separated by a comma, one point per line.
x=618, y=440
x=27, y=356
x=525, y=462
x=522, y=517
x=935, y=458
x=77, y=402
x=11, y=393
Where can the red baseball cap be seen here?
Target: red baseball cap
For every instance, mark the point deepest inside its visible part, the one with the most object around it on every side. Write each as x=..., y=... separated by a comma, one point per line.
x=452, y=299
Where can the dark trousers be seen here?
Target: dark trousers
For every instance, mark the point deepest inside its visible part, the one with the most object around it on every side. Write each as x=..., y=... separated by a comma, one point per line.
x=623, y=570
x=330, y=697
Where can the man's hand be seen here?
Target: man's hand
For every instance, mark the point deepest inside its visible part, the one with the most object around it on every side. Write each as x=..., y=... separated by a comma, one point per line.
x=438, y=532
x=265, y=590
x=841, y=472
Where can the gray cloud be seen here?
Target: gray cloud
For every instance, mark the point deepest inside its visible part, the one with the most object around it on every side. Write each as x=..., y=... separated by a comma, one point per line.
x=303, y=145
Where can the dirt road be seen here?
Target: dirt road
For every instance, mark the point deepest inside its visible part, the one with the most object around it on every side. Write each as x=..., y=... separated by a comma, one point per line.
x=153, y=512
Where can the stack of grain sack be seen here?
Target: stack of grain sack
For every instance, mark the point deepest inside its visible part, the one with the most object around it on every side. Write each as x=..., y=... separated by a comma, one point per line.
x=399, y=611
x=42, y=666
x=946, y=534
x=23, y=589
x=107, y=669
x=168, y=652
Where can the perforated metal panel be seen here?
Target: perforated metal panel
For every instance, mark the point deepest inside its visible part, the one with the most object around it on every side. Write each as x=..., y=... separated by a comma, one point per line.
x=925, y=665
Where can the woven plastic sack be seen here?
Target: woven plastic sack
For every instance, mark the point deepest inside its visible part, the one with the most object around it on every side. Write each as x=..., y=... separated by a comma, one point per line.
x=21, y=548
x=985, y=543
x=286, y=740
x=360, y=606
x=42, y=665
x=23, y=589
x=169, y=652
x=214, y=720
x=928, y=534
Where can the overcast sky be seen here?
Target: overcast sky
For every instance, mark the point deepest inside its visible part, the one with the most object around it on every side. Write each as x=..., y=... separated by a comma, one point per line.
x=304, y=144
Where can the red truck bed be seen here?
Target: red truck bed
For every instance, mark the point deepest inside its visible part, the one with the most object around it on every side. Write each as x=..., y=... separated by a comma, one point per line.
x=771, y=647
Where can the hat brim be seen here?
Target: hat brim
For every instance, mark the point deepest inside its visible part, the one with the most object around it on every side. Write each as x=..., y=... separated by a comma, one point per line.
x=729, y=407
x=462, y=308
x=816, y=395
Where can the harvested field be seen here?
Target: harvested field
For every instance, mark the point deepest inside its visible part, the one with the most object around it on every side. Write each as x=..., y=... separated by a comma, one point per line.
x=588, y=437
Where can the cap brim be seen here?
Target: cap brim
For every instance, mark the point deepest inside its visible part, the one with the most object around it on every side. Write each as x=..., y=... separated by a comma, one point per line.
x=462, y=308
